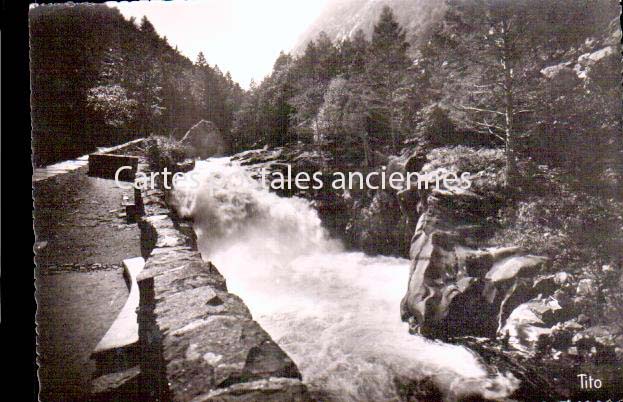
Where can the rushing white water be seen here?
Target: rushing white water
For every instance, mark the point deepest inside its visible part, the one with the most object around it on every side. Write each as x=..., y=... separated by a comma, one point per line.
x=335, y=313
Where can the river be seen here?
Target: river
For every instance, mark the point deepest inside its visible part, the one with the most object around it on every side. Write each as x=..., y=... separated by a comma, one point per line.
x=335, y=312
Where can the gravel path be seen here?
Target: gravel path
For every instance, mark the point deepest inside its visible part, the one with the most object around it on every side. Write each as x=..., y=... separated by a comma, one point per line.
x=81, y=239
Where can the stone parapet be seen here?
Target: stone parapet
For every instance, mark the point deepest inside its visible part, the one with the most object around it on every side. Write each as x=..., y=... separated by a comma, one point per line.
x=198, y=341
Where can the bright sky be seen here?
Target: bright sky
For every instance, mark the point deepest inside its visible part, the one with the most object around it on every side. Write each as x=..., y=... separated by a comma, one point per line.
x=243, y=37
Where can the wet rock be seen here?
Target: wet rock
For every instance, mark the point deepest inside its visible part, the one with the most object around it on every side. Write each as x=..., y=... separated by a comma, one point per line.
x=515, y=266
x=418, y=390
x=530, y=321
x=531, y=376
x=185, y=166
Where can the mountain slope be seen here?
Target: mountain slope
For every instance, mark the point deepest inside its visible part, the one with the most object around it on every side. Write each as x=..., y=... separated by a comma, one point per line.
x=342, y=18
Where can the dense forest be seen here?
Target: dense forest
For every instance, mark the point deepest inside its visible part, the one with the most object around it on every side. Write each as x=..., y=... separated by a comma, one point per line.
x=99, y=79
x=524, y=94
x=496, y=74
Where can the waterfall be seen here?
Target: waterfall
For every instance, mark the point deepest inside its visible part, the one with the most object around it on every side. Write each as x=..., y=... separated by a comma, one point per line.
x=336, y=313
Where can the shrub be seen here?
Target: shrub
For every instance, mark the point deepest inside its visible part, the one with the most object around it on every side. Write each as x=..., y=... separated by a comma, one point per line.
x=435, y=128
x=579, y=230
x=377, y=225
x=486, y=166
x=166, y=152
x=567, y=225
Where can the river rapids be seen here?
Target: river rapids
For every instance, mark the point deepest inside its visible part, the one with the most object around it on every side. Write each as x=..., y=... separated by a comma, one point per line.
x=335, y=312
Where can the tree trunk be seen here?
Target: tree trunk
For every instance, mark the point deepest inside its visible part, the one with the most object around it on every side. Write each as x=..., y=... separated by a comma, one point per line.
x=390, y=89
x=511, y=162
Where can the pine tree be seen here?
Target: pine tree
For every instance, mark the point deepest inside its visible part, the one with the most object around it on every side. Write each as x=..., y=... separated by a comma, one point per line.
x=489, y=51
x=201, y=60
x=387, y=67
x=359, y=46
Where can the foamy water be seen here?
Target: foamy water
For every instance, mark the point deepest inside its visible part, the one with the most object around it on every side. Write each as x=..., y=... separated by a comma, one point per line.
x=335, y=313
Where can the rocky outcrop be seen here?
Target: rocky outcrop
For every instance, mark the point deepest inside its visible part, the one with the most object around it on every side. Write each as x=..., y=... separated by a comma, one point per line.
x=510, y=307
x=198, y=341
x=457, y=286
x=597, y=65
x=206, y=140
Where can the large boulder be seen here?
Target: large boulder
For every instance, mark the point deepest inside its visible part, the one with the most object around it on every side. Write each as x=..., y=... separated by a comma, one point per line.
x=531, y=321
x=458, y=287
x=206, y=139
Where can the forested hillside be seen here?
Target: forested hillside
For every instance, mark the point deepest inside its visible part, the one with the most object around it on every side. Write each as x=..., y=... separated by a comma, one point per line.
x=341, y=19
x=537, y=78
x=98, y=79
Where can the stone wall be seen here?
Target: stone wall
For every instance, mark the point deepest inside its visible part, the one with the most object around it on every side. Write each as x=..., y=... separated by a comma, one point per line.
x=200, y=342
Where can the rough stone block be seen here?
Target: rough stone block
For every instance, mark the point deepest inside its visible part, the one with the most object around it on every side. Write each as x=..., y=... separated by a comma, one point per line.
x=177, y=310
x=272, y=389
x=194, y=274
x=124, y=330
x=106, y=165
x=121, y=385
x=219, y=351
x=166, y=259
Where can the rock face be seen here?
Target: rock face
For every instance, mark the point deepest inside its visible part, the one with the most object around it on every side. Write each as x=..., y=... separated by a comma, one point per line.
x=502, y=302
x=206, y=139
x=456, y=287
x=197, y=340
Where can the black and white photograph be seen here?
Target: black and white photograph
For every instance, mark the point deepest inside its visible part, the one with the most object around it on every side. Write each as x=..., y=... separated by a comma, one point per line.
x=327, y=200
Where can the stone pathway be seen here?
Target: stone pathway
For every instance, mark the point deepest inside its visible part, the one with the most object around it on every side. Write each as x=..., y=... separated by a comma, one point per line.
x=81, y=239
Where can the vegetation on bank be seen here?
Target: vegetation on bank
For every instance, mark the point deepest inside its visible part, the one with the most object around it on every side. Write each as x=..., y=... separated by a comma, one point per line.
x=98, y=79
x=167, y=152
x=528, y=86
x=511, y=75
